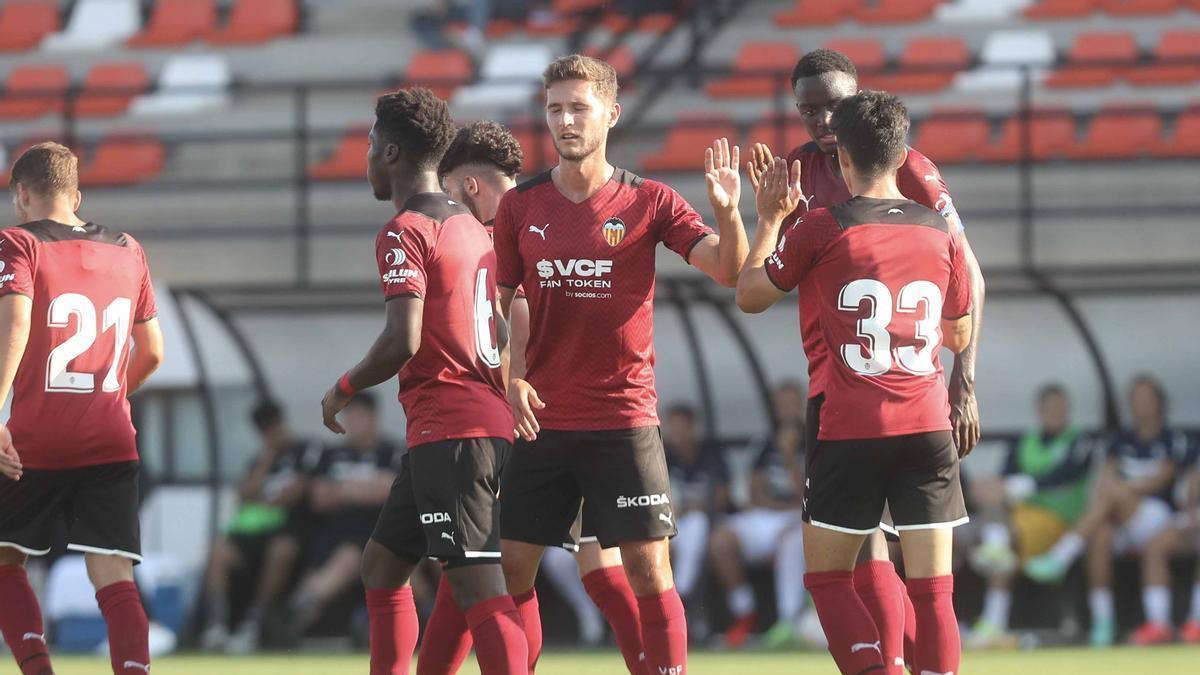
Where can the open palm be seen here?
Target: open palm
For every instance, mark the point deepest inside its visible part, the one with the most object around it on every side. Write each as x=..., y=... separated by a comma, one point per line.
x=721, y=174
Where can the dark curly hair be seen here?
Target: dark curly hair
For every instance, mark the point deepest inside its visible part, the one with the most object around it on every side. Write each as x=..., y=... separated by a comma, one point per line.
x=418, y=122
x=873, y=127
x=484, y=143
x=820, y=62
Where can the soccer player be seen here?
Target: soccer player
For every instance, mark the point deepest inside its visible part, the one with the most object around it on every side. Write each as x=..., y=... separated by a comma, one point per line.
x=72, y=295
x=891, y=287
x=581, y=239
x=481, y=165
x=821, y=79
x=437, y=270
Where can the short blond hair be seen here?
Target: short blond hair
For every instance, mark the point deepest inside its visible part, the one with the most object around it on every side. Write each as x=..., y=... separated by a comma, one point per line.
x=47, y=169
x=579, y=67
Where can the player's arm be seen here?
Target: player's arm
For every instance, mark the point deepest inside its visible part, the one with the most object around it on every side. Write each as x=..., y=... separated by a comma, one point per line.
x=964, y=408
x=518, y=328
x=522, y=397
x=777, y=196
x=15, y=316
x=721, y=257
x=395, y=346
x=1156, y=483
x=147, y=353
x=956, y=333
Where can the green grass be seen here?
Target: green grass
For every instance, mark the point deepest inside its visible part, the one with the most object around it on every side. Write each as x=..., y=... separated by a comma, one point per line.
x=1159, y=661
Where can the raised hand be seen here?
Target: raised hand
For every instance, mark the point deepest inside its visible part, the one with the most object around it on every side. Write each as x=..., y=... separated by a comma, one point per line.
x=760, y=159
x=778, y=193
x=721, y=174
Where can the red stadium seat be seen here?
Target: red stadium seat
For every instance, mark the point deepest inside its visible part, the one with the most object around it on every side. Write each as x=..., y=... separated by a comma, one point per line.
x=1177, y=61
x=1052, y=133
x=748, y=79
x=175, y=23
x=894, y=11
x=1184, y=141
x=23, y=23
x=927, y=65
x=554, y=25
x=951, y=136
x=349, y=158
x=1062, y=9
x=780, y=134
x=651, y=24
x=576, y=6
x=621, y=59
x=33, y=91
x=124, y=160
x=868, y=57
x=109, y=87
x=807, y=13
x=442, y=71
x=1119, y=132
x=257, y=21
x=684, y=148
x=536, y=144
x=1141, y=7
x=1096, y=60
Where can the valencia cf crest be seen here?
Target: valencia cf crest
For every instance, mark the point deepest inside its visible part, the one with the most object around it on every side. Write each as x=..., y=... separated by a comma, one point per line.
x=614, y=231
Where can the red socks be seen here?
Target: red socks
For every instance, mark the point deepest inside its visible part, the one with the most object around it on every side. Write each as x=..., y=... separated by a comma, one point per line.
x=392, y=615
x=500, y=645
x=609, y=588
x=882, y=592
x=939, y=650
x=21, y=622
x=447, y=637
x=853, y=639
x=128, y=629
x=531, y=620
x=664, y=633
x=910, y=626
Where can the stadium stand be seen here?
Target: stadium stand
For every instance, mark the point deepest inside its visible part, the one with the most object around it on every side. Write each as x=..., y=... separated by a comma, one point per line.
x=348, y=161
x=685, y=142
x=805, y=13
x=25, y=23
x=443, y=71
x=33, y=91
x=756, y=70
x=187, y=84
x=953, y=135
x=1119, y=132
x=109, y=88
x=1051, y=133
x=257, y=21
x=123, y=160
x=1096, y=60
x=1176, y=61
x=97, y=24
x=175, y=23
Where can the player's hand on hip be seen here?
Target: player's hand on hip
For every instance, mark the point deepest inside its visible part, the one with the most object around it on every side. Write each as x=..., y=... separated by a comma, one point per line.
x=524, y=400
x=964, y=419
x=779, y=192
x=335, y=399
x=721, y=174
x=10, y=461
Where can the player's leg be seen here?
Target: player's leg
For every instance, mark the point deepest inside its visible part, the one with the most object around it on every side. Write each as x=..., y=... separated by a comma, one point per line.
x=688, y=549
x=604, y=579
x=121, y=605
x=1141, y=520
x=885, y=597
x=1100, y=596
x=278, y=560
x=1052, y=566
x=447, y=639
x=21, y=616
x=336, y=574
x=1156, y=588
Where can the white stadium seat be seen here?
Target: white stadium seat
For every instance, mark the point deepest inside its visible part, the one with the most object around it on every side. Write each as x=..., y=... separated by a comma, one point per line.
x=188, y=84
x=96, y=24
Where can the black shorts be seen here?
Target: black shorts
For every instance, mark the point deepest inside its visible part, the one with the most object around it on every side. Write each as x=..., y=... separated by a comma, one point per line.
x=619, y=476
x=583, y=531
x=849, y=482
x=443, y=503
x=99, y=505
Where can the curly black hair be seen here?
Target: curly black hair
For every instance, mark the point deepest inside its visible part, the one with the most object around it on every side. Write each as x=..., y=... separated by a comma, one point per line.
x=418, y=122
x=820, y=62
x=484, y=143
x=873, y=127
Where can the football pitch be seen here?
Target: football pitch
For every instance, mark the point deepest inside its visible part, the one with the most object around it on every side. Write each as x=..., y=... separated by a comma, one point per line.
x=1158, y=661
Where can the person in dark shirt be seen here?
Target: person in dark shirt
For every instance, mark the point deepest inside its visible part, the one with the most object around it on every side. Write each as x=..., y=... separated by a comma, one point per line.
x=263, y=539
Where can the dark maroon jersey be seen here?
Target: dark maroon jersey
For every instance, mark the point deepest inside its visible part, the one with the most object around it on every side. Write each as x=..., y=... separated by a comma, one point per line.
x=823, y=187
x=588, y=272
x=89, y=285
x=452, y=388
x=885, y=272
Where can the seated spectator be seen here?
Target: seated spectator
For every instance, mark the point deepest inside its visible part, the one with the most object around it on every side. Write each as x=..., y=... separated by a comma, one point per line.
x=1183, y=536
x=699, y=491
x=769, y=530
x=346, y=491
x=263, y=539
x=1132, y=503
x=1042, y=493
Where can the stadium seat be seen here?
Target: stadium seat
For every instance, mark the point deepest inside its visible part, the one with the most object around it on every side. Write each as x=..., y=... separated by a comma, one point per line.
x=1095, y=60
x=748, y=79
x=349, y=158
x=175, y=23
x=953, y=135
x=577, y=6
x=187, y=83
x=25, y=23
x=33, y=91
x=1052, y=133
x=442, y=71
x=1018, y=47
x=621, y=59
x=109, y=88
x=684, y=147
x=977, y=11
x=650, y=24
x=1177, y=61
x=1184, y=140
x=866, y=53
x=124, y=160
x=808, y=13
x=894, y=11
x=536, y=143
x=95, y=24
x=1062, y=9
x=781, y=134
x=1119, y=132
x=1140, y=7
x=927, y=64
x=257, y=21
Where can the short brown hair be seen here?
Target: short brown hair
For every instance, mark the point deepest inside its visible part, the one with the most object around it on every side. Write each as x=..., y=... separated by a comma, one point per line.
x=47, y=169
x=578, y=67
x=484, y=143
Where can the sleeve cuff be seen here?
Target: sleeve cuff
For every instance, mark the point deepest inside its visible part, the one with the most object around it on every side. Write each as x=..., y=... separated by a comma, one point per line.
x=687, y=252
x=774, y=282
